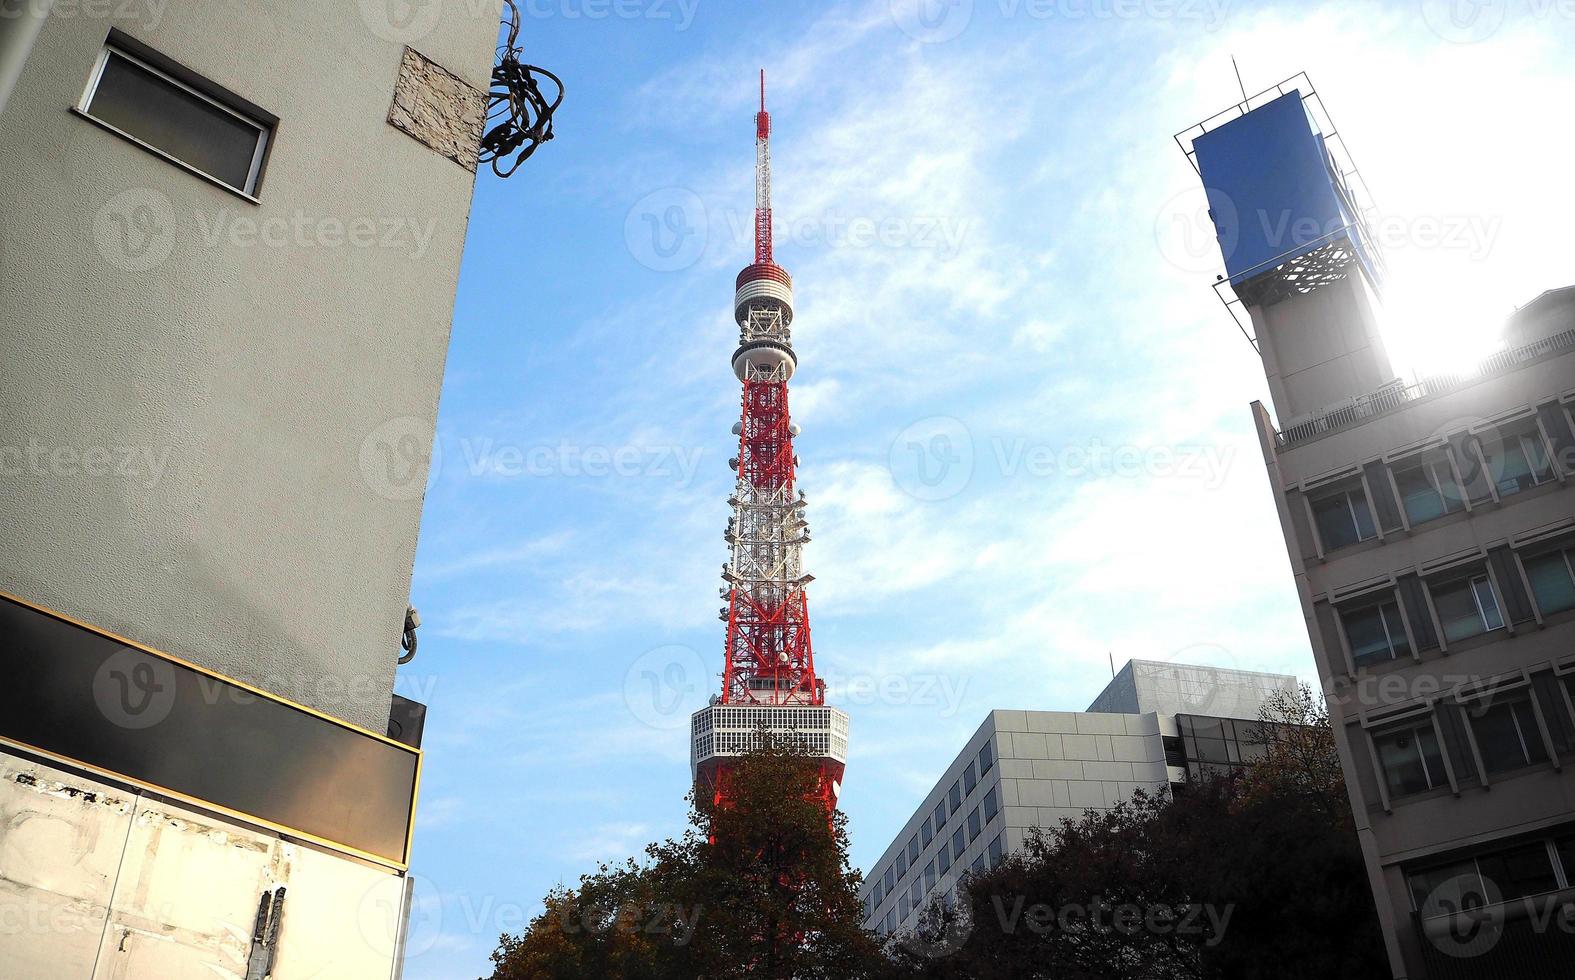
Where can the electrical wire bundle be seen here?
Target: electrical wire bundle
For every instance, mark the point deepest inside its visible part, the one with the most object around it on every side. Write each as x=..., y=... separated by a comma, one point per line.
x=519, y=116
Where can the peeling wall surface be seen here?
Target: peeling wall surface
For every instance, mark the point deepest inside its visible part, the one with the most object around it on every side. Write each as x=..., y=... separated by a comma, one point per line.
x=98, y=883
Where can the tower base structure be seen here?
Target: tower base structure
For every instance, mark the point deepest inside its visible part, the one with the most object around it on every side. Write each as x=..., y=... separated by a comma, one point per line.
x=720, y=733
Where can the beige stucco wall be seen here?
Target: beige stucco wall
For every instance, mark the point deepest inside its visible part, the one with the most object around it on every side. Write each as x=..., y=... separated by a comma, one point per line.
x=214, y=414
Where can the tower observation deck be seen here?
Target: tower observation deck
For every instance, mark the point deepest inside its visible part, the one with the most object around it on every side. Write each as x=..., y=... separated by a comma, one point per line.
x=768, y=675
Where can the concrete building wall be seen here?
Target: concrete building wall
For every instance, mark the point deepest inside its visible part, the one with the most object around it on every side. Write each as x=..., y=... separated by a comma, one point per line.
x=1406, y=562
x=1049, y=766
x=214, y=413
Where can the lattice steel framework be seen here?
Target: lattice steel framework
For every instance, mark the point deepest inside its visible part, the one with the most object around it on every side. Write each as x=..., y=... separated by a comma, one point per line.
x=768, y=660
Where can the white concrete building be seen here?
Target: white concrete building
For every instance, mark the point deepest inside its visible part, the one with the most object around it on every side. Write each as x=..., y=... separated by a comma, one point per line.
x=230, y=237
x=1026, y=769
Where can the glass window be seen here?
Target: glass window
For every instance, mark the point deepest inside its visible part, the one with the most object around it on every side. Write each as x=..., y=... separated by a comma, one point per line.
x=956, y=797
x=929, y=877
x=944, y=860
x=902, y=864
x=975, y=825
x=1410, y=760
x=1507, y=735
x=1376, y=634
x=969, y=779
x=1566, y=849
x=992, y=804
x=1467, y=608
x=927, y=833
x=148, y=105
x=1428, y=489
x=1446, y=889
x=978, y=863
x=940, y=816
x=1553, y=581
x=995, y=851
x=877, y=894
x=915, y=894
x=1343, y=519
x=959, y=843
x=1518, y=462
x=986, y=758
x=1518, y=871
x=913, y=851
x=891, y=922
x=902, y=906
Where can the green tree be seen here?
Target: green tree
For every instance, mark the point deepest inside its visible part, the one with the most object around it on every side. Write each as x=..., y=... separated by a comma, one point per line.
x=759, y=887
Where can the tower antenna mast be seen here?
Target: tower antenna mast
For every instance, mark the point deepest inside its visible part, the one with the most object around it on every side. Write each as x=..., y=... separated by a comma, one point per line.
x=769, y=684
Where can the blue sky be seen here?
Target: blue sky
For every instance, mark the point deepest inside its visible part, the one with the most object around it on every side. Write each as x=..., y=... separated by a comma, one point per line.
x=1026, y=441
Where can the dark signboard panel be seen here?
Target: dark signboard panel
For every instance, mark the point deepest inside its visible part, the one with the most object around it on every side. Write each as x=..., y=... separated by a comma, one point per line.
x=88, y=697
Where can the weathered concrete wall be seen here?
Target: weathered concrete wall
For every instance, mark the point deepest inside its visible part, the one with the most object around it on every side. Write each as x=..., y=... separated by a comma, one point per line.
x=91, y=874
x=214, y=414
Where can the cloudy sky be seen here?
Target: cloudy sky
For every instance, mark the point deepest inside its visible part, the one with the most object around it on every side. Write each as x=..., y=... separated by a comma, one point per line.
x=1026, y=439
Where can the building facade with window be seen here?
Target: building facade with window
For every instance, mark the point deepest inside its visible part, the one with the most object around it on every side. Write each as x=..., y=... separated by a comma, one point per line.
x=1430, y=526
x=1155, y=724
x=230, y=238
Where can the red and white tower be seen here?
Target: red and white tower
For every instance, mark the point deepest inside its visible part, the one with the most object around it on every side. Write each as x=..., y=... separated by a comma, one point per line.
x=768, y=674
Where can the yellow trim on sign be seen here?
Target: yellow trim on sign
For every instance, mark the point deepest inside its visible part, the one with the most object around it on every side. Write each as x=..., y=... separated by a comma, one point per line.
x=415, y=791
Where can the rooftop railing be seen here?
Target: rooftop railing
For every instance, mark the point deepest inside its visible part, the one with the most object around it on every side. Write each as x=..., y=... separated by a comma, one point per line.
x=1398, y=394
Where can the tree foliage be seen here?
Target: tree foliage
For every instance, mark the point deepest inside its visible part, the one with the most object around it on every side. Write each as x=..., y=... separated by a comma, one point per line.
x=759, y=887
